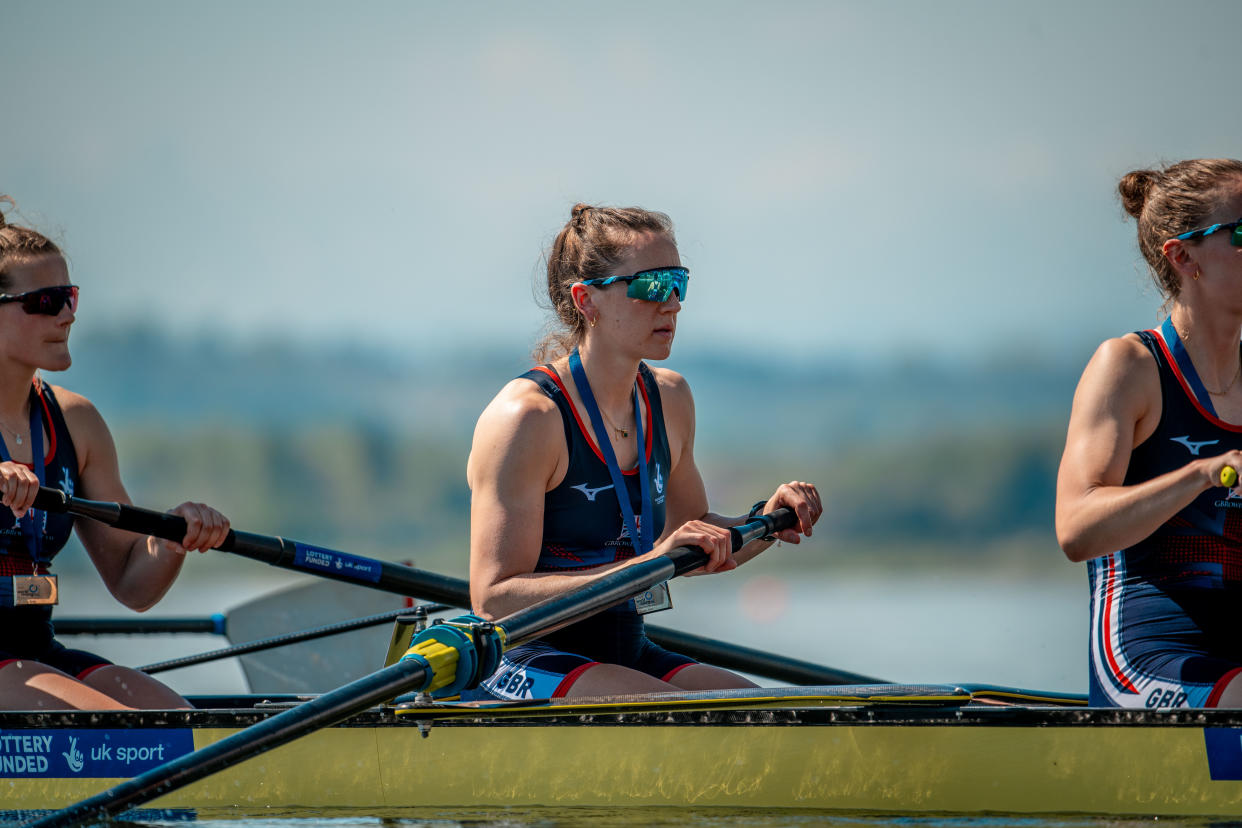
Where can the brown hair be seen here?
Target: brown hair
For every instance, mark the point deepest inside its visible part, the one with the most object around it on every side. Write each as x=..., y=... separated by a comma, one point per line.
x=589, y=247
x=19, y=244
x=1171, y=201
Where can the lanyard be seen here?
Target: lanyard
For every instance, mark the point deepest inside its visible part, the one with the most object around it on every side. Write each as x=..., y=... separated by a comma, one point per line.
x=32, y=534
x=644, y=542
x=1182, y=358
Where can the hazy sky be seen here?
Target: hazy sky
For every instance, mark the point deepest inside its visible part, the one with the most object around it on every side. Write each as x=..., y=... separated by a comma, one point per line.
x=884, y=178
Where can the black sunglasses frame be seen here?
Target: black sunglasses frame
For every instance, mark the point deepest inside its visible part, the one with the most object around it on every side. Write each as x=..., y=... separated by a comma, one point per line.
x=47, y=301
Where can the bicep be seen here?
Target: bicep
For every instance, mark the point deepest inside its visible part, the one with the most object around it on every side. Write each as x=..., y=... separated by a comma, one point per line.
x=686, y=495
x=1108, y=418
x=512, y=460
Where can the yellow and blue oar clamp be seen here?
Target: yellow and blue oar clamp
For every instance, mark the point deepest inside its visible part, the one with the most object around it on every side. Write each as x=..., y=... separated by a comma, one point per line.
x=458, y=653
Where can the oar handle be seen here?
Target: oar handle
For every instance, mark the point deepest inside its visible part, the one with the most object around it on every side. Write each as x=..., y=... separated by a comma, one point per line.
x=130, y=518
x=1228, y=477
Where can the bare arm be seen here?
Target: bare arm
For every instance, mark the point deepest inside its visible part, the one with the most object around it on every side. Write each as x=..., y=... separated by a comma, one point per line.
x=1116, y=407
x=687, y=496
x=137, y=569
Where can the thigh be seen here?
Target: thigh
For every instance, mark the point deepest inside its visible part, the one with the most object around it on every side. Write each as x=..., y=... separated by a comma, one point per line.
x=535, y=670
x=31, y=685
x=707, y=677
x=133, y=688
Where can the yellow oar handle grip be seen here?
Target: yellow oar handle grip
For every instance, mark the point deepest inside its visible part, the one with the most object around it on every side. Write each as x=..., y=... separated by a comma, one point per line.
x=1228, y=477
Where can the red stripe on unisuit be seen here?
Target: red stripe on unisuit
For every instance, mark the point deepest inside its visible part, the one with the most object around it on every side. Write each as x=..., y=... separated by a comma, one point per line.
x=1217, y=689
x=1108, y=627
x=642, y=387
x=1177, y=372
x=570, y=677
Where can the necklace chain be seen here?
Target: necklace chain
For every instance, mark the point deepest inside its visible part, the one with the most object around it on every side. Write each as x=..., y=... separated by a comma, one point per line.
x=620, y=433
x=1185, y=335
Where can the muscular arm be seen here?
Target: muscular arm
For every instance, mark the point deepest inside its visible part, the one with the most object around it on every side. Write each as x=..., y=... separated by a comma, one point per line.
x=686, y=495
x=1116, y=407
x=136, y=569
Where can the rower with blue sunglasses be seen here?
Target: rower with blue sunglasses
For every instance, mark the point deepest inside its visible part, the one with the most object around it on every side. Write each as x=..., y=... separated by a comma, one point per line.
x=1147, y=493
x=585, y=464
x=54, y=437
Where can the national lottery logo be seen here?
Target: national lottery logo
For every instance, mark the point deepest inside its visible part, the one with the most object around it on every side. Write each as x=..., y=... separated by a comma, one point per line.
x=73, y=756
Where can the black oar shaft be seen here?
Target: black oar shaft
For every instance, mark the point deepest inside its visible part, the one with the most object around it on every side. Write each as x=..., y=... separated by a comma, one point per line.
x=320, y=712
x=269, y=549
x=215, y=625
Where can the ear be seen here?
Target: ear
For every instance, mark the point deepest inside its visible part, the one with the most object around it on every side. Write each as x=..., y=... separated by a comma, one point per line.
x=582, y=300
x=1181, y=256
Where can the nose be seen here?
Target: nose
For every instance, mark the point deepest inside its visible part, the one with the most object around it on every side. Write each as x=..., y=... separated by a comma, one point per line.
x=673, y=303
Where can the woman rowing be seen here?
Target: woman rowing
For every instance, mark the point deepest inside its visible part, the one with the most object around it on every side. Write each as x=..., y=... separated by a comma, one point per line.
x=587, y=463
x=54, y=437
x=1156, y=418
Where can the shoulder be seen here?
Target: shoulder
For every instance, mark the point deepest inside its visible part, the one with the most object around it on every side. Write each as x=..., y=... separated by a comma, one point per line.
x=1122, y=359
x=1121, y=376
x=521, y=418
x=80, y=414
x=673, y=387
x=517, y=441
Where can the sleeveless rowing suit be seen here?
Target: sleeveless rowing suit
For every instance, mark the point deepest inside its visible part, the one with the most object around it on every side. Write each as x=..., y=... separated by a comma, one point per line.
x=583, y=528
x=26, y=631
x=1165, y=612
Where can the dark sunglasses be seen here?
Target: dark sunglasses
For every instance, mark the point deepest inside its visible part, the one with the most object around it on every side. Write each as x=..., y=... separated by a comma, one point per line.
x=46, y=301
x=1235, y=238
x=652, y=285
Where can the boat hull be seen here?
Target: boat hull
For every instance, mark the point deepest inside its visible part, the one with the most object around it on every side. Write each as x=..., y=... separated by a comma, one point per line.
x=803, y=751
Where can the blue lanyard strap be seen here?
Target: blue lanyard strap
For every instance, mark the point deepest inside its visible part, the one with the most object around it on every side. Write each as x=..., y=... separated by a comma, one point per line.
x=642, y=542
x=1182, y=358
x=34, y=521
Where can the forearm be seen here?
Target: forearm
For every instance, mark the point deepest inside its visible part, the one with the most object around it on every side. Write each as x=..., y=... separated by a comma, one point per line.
x=148, y=572
x=1105, y=519
x=498, y=598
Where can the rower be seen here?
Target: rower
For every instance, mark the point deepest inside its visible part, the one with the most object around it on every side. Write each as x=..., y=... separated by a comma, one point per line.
x=54, y=436
x=1156, y=418
x=585, y=464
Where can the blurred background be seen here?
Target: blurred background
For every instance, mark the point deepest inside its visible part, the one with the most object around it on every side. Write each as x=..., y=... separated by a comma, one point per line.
x=309, y=241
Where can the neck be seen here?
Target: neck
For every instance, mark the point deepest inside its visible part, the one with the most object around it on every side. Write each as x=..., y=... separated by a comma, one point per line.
x=1212, y=340
x=612, y=379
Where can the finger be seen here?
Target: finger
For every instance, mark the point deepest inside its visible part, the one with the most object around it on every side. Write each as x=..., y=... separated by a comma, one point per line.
x=192, y=515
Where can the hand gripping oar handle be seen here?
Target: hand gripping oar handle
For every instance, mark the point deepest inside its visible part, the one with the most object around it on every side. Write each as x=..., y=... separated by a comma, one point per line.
x=269, y=549
x=462, y=652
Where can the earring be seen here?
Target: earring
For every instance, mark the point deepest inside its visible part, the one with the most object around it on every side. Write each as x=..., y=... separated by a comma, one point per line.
x=1198, y=273
x=592, y=321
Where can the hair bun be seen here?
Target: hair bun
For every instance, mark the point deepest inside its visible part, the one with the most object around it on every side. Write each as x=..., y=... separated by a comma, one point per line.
x=577, y=215
x=1134, y=187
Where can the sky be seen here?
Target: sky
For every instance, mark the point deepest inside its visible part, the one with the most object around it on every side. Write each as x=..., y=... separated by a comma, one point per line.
x=867, y=179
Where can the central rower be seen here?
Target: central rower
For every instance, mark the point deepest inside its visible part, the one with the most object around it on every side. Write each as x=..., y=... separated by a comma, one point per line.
x=586, y=464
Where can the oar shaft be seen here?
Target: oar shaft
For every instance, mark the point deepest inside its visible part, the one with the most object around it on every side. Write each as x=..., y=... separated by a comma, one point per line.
x=269, y=549
x=624, y=583
x=319, y=712
x=215, y=625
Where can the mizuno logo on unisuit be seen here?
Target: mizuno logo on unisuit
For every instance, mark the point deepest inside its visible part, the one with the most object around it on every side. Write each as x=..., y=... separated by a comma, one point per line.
x=1193, y=447
x=591, y=493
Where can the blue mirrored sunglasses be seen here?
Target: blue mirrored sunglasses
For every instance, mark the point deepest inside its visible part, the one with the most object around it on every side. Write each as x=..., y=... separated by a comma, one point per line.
x=651, y=285
x=1235, y=238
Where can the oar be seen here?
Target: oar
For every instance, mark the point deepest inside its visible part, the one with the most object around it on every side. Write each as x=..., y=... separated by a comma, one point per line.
x=431, y=664
x=292, y=638
x=427, y=586
x=214, y=625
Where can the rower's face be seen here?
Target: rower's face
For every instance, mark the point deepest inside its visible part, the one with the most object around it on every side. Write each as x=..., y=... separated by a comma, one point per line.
x=35, y=340
x=1216, y=256
x=649, y=327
